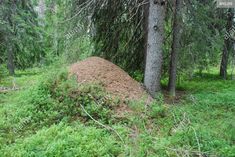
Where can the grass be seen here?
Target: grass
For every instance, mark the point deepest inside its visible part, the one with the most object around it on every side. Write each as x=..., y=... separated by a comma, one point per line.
x=44, y=119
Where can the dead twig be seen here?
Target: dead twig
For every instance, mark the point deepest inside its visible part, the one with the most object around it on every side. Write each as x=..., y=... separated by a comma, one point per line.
x=104, y=126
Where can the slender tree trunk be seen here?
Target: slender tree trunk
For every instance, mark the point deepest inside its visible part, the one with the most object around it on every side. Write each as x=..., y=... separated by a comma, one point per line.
x=41, y=10
x=9, y=41
x=227, y=46
x=10, y=60
x=145, y=26
x=233, y=62
x=155, y=38
x=175, y=47
x=56, y=32
x=224, y=61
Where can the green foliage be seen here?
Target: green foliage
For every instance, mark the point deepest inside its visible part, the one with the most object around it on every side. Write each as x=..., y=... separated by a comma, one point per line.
x=157, y=111
x=202, y=41
x=47, y=119
x=63, y=140
x=202, y=123
x=58, y=98
x=122, y=40
x=55, y=98
x=78, y=49
x=3, y=71
x=138, y=76
x=20, y=33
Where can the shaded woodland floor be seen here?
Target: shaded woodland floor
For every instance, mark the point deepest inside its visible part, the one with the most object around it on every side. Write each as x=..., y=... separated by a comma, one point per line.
x=44, y=119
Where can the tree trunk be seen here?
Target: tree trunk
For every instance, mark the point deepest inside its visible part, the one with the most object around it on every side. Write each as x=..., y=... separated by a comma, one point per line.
x=227, y=46
x=55, y=39
x=233, y=62
x=175, y=47
x=145, y=26
x=155, y=38
x=224, y=61
x=41, y=9
x=10, y=60
x=10, y=42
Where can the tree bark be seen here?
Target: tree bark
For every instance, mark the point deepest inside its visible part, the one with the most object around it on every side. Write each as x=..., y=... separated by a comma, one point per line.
x=175, y=47
x=145, y=26
x=224, y=61
x=55, y=39
x=227, y=46
x=9, y=41
x=41, y=9
x=233, y=62
x=10, y=60
x=155, y=38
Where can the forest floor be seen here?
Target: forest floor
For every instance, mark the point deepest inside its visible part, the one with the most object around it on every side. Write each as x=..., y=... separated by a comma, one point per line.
x=47, y=117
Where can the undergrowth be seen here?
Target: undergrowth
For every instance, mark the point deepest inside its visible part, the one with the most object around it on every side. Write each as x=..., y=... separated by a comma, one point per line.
x=46, y=119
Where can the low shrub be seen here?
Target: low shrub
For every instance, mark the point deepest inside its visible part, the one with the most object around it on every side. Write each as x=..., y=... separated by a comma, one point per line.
x=62, y=140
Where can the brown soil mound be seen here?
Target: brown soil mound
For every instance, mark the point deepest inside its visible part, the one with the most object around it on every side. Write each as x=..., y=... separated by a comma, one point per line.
x=115, y=80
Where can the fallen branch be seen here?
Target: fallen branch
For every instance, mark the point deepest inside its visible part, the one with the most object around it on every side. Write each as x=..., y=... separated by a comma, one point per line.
x=104, y=126
x=7, y=89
